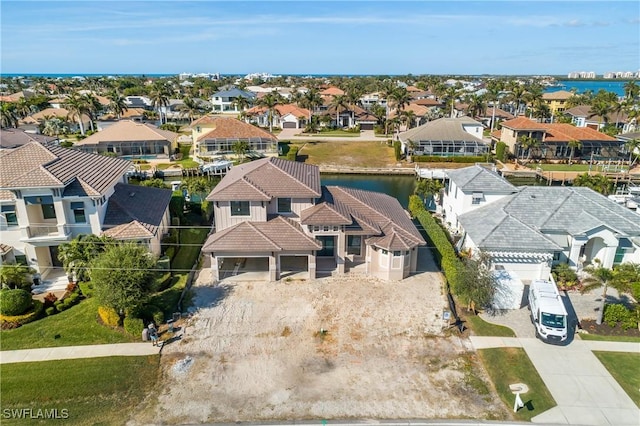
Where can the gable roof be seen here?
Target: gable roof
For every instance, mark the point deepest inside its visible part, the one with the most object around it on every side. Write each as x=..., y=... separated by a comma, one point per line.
x=562, y=132
x=233, y=92
x=523, y=123
x=135, y=211
x=442, y=129
x=60, y=113
x=281, y=110
x=128, y=130
x=268, y=178
x=525, y=220
x=34, y=165
x=560, y=95
x=277, y=234
x=479, y=179
x=231, y=128
x=332, y=91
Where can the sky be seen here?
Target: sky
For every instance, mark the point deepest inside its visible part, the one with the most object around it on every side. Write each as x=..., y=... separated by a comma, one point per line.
x=319, y=37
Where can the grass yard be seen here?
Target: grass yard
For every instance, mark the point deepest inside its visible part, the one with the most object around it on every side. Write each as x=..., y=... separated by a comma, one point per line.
x=92, y=391
x=561, y=167
x=75, y=326
x=350, y=154
x=625, y=368
x=482, y=328
x=585, y=336
x=512, y=365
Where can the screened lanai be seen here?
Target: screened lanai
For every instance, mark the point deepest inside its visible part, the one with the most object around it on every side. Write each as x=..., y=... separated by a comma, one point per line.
x=451, y=148
x=223, y=146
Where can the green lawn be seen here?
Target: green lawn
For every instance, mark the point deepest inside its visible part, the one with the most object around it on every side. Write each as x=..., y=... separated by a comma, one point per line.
x=585, y=336
x=561, y=167
x=482, y=328
x=625, y=368
x=348, y=154
x=191, y=240
x=75, y=326
x=90, y=391
x=512, y=365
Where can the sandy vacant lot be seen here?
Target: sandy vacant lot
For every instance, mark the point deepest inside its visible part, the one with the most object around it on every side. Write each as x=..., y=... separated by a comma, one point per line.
x=255, y=352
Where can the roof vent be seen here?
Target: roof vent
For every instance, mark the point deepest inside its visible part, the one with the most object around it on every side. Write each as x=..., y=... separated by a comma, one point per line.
x=132, y=194
x=533, y=196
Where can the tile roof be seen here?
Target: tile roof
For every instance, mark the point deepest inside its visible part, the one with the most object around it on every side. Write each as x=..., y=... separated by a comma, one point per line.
x=34, y=165
x=277, y=234
x=232, y=128
x=127, y=130
x=281, y=110
x=4, y=249
x=479, y=179
x=268, y=178
x=332, y=91
x=563, y=132
x=527, y=219
x=233, y=93
x=428, y=102
x=523, y=123
x=135, y=211
x=13, y=138
x=560, y=95
x=442, y=129
x=60, y=113
x=585, y=111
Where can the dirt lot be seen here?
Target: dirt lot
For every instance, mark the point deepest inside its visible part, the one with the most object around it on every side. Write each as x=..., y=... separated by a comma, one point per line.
x=255, y=352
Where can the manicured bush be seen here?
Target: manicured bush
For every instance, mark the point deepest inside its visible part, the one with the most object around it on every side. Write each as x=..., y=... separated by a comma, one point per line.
x=14, y=302
x=61, y=307
x=501, y=151
x=616, y=313
x=436, y=159
x=13, y=321
x=109, y=316
x=133, y=326
x=51, y=310
x=397, y=150
x=86, y=288
x=293, y=153
x=564, y=275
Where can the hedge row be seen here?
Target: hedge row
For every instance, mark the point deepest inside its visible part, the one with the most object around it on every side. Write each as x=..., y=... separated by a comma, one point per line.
x=436, y=159
x=293, y=153
x=443, y=251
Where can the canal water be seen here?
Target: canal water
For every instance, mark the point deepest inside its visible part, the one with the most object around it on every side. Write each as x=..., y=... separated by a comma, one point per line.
x=398, y=186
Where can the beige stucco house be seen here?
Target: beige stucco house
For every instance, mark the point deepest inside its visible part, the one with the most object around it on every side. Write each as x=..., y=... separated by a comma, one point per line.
x=274, y=215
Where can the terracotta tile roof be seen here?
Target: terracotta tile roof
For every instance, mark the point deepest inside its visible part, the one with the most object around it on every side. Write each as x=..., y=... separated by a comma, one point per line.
x=428, y=102
x=523, y=123
x=418, y=110
x=131, y=112
x=34, y=165
x=557, y=132
x=500, y=113
x=281, y=110
x=60, y=113
x=4, y=249
x=232, y=128
x=268, y=178
x=135, y=211
x=277, y=234
x=6, y=195
x=332, y=91
x=127, y=130
x=560, y=95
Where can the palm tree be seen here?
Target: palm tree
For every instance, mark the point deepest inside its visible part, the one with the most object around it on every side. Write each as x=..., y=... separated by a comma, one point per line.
x=527, y=144
x=599, y=276
x=8, y=116
x=532, y=97
x=241, y=103
x=601, y=108
x=632, y=145
x=401, y=98
x=599, y=183
x=451, y=94
x=117, y=103
x=269, y=101
x=573, y=144
x=408, y=117
x=23, y=108
x=517, y=95
x=240, y=148
x=190, y=108
x=159, y=98
x=477, y=105
x=53, y=126
x=92, y=107
x=339, y=101
x=311, y=100
x=631, y=90
x=493, y=94
x=77, y=106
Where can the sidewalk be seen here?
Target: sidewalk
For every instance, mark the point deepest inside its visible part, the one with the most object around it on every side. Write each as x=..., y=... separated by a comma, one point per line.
x=72, y=352
x=582, y=387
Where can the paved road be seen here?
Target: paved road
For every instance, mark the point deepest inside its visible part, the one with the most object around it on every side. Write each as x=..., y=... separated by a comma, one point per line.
x=582, y=387
x=71, y=352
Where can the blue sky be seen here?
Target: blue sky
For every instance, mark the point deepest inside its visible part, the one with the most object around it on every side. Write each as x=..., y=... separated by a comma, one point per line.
x=320, y=37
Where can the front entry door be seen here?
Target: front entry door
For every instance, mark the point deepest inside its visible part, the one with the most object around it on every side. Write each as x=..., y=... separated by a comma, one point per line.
x=328, y=246
x=53, y=251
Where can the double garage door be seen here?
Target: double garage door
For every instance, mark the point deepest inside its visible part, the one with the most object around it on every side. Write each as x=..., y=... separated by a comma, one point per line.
x=289, y=125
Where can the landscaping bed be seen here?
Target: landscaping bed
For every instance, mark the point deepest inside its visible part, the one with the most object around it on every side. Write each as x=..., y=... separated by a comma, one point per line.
x=604, y=329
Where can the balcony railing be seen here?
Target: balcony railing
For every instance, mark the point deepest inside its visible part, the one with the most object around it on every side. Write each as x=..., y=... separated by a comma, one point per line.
x=44, y=231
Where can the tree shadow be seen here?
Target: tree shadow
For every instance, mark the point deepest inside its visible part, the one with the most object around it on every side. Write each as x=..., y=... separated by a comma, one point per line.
x=210, y=296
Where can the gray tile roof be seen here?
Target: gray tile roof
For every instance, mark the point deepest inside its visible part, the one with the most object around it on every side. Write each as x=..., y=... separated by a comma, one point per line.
x=479, y=179
x=128, y=131
x=277, y=234
x=442, y=129
x=532, y=218
x=13, y=138
x=268, y=178
x=132, y=203
x=34, y=165
x=234, y=93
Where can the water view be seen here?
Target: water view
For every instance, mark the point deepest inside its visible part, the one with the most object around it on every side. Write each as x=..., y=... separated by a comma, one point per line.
x=615, y=86
x=400, y=187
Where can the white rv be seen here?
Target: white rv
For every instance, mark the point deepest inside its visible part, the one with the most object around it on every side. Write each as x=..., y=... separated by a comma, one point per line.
x=548, y=313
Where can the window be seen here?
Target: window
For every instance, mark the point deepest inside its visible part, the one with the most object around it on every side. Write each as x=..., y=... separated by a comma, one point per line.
x=9, y=213
x=397, y=253
x=354, y=245
x=476, y=198
x=78, y=212
x=284, y=205
x=21, y=259
x=239, y=208
x=48, y=211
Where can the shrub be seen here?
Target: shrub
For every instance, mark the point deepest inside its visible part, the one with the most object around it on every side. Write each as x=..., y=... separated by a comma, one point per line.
x=133, y=326
x=51, y=310
x=501, y=151
x=61, y=307
x=109, y=316
x=13, y=321
x=397, y=150
x=616, y=313
x=564, y=275
x=14, y=302
x=293, y=153
x=86, y=289
x=50, y=299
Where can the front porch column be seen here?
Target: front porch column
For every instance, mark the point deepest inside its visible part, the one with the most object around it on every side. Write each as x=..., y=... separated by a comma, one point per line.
x=215, y=270
x=574, y=252
x=609, y=256
x=312, y=266
x=273, y=268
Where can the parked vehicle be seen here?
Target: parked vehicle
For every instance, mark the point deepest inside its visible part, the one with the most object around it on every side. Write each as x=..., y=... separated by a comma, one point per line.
x=548, y=313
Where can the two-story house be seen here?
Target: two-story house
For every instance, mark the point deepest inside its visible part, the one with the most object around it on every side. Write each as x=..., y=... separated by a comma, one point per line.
x=49, y=195
x=215, y=136
x=275, y=216
x=226, y=100
x=557, y=101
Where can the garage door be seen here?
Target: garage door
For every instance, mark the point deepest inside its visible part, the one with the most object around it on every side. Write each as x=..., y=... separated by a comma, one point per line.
x=366, y=126
x=289, y=125
x=294, y=263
